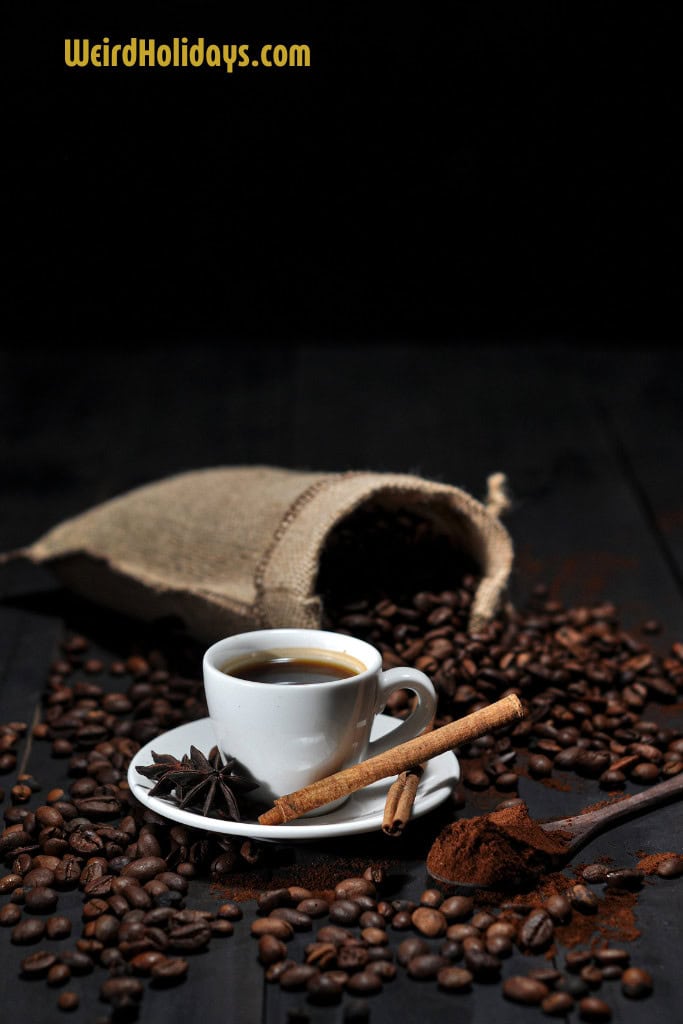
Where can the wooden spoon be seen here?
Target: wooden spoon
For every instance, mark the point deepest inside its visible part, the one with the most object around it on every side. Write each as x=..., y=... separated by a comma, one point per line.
x=582, y=827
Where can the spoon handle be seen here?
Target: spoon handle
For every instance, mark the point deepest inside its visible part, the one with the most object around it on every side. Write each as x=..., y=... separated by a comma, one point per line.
x=583, y=826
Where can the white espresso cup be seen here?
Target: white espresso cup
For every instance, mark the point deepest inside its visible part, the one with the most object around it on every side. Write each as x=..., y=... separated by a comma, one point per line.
x=287, y=736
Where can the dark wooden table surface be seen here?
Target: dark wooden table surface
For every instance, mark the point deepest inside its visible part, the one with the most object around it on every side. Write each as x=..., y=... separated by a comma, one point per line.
x=591, y=441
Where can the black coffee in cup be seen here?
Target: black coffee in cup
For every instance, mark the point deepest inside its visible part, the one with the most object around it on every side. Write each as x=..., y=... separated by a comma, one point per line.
x=294, y=666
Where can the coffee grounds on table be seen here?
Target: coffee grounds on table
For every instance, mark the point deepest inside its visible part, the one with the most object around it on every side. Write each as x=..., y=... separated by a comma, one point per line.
x=649, y=863
x=506, y=849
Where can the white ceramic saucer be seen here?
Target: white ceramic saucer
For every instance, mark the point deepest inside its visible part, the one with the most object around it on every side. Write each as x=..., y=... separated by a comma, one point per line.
x=362, y=812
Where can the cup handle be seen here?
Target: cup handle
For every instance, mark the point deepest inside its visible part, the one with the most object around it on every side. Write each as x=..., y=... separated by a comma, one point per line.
x=418, y=720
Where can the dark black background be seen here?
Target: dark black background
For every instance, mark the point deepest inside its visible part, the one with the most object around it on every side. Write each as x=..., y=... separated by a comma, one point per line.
x=474, y=171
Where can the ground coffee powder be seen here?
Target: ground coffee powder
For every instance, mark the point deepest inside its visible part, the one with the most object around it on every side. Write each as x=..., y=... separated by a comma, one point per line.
x=501, y=849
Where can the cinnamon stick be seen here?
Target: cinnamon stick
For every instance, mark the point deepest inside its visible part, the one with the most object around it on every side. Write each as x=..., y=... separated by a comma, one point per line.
x=400, y=800
x=394, y=761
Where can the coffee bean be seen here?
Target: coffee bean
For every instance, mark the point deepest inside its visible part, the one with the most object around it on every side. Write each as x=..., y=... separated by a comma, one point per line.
x=454, y=979
x=559, y=908
x=431, y=898
x=484, y=966
x=272, y=898
x=483, y=920
x=577, y=959
x=272, y=926
x=121, y=992
x=332, y=933
x=498, y=927
x=645, y=773
x=583, y=899
x=143, y=869
x=9, y=915
x=344, y=911
x=221, y=927
x=670, y=867
x=540, y=766
x=40, y=900
x=58, y=975
x=300, y=922
x=297, y=977
x=364, y=983
x=313, y=907
x=567, y=758
x=429, y=922
x=169, y=971
x=321, y=954
x=371, y=919
x=39, y=877
x=594, y=873
x=591, y=763
x=629, y=879
x=145, y=961
x=375, y=873
x=402, y=920
x=324, y=990
x=22, y=864
x=498, y=945
x=77, y=961
x=521, y=989
x=36, y=965
x=68, y=1001
x=557, y=1004
x=58, y=927
x=473, y=942
x=271, y=949
x=14, y=842
x=636, y=983
x=106, y=929
x=548, y=975
x=593, y=1009
x=230, y=911
x=275, y=971
x=383, y=968
x=592, y=975
x=350, y=888
x=457, y=908
x=612, y=779
x=379, y=953
x=67, y=874
x=537, y=931
x=30, y=930
x=609, y=956
x=374, y=936
x=188, y=938
x=475, y=778
x=426, y=965
x=8, y=883
x=410, y=948
x=352, y=958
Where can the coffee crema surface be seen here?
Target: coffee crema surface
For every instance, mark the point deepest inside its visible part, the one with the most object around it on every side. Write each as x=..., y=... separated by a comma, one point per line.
x=294, y=666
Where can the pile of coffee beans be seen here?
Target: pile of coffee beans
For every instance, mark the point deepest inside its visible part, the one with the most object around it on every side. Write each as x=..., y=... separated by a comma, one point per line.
x=584, y=681
x=587, y=685
x=357, y=942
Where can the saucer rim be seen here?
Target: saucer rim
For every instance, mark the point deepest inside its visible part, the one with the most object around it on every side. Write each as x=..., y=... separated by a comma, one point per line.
x=303, y=829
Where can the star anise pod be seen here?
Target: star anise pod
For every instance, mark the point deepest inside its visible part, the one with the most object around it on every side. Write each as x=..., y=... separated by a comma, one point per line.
x=198, y=782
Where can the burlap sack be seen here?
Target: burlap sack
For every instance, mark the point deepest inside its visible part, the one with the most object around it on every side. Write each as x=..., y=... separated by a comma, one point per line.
x=235, y=548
